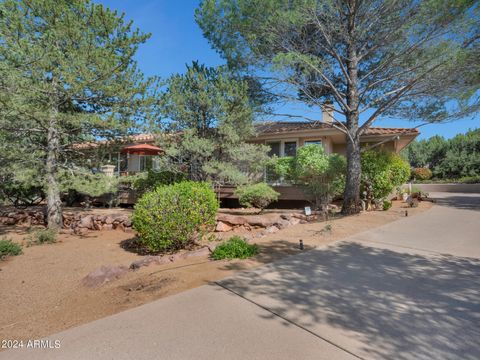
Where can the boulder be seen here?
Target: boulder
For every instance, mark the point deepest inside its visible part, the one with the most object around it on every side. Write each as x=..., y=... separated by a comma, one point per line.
x=127, y=223
x=222, y=227
x=232, y=219
x=103, y=275
x=108, y=220
x=262, y=221
x=86, y=222
x=271, y=230
x=282, y=223
x=294, y=221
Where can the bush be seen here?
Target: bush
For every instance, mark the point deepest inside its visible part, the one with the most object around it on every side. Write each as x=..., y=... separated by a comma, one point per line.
x=421, y=173
x=43, y=236
x=258, y=195
x=169, y=217
x=386, y=205
x=384, y=171
x=9, y=248
x=152, y=179
x=322, y=175
x=21, y=188
x=235, y=248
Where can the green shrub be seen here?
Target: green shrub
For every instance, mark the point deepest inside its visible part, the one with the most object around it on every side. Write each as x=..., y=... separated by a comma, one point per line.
x=235, y=248
x=258, y=195
x=421, y=173
x=42, y=236
x=281, y=169
x=169, y=217
x=322, y=175
x=386, y=205
x=152, y=179
x=9, y=248
x=384, y=171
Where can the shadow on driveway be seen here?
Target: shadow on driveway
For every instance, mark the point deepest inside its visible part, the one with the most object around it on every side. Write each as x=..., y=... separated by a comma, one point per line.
x=463, y=202
x=375, y=302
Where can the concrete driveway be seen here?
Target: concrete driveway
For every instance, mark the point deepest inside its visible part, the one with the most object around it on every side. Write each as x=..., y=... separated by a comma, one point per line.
x=407, y=290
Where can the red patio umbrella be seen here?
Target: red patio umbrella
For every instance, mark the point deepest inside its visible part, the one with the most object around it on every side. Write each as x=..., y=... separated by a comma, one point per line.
x=142, y=149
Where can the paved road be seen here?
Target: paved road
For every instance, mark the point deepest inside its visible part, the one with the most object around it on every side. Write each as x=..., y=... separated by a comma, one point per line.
x=407, y=290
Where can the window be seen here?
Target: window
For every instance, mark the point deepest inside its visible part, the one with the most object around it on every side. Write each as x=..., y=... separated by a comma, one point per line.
x=274, y=149
x=313, y=142
x=290, y=148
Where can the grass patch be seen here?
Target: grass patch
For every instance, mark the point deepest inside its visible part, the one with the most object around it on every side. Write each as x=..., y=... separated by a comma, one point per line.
x=9, y=248
x=42, y=236
x=235, y=248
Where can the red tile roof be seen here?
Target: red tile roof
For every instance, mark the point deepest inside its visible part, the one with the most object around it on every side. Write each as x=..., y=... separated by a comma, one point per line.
x=282, y=127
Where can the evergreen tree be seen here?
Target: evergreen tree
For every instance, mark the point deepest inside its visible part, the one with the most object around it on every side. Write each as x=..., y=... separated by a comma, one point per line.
x=374, y=58
x=67, y=74
x=210, y=115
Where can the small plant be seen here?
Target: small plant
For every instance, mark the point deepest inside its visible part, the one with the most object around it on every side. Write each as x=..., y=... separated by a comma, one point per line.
x=42, y=236
x=9, y=248
x=171, y=216
x=235, y=248
x=258, y=195
x=386, y=205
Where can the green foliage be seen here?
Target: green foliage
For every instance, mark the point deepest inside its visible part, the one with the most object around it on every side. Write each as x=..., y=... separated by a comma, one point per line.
x=411, y=59
x=9, y=248
x=259, y=195
x=386, y=205
x=384, y=171
x=169, y=217
x=421, y=173
x=42, y=236
x=449, y=159
x=212, y=110
x=87, y=183
x=151, y=179
x=322, y=175
x=67, y=74
x=20, y=187
x=235, y=248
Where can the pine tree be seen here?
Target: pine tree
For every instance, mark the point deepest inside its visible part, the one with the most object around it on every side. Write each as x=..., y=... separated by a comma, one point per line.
x=67, y=74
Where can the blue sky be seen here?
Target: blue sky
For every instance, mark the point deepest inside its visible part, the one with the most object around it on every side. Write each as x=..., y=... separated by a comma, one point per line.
x=177, y=40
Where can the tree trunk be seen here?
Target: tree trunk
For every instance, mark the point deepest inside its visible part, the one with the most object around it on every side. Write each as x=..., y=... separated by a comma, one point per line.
x=351, y=196
x=54, y=204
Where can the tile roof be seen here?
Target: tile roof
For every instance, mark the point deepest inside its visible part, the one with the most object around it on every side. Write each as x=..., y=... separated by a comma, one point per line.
x=281, y=127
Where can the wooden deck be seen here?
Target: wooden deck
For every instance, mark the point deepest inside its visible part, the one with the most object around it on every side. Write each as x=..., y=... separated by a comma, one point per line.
x=287, y=193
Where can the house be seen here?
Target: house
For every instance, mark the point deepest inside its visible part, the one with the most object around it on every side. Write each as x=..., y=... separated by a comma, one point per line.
x=138, y=153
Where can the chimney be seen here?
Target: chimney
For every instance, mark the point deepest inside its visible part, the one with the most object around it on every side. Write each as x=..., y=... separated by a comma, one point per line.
x=327, y=113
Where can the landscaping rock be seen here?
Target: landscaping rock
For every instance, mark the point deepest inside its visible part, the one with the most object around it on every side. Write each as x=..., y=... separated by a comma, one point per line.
x=262, y=221
x=271, y=230
x=103, y=275
x=282, y=223
x=86, y=222
x=294, y=221
x=222, y=227
x=232, y=219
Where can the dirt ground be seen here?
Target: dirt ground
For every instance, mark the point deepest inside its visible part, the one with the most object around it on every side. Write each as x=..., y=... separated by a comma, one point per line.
x=41, y=290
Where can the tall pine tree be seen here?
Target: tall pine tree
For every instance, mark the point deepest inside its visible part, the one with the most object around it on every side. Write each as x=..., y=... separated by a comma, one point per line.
x=67, y=74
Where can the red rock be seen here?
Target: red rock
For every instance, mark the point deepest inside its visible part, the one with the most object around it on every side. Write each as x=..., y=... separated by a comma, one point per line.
x=271, y=230
x=222, y=227
x=104, y=275
x=282, y=223
x=86, y=222
x=258, y=220
x=109, y=220
x=232, y=219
